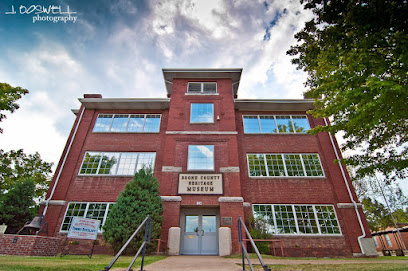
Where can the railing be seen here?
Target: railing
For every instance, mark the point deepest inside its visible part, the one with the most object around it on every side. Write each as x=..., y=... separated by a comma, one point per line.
x=241, y=225
x=148, y=230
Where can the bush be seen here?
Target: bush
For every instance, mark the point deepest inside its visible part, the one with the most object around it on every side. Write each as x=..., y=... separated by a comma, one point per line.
x=258, y=230
x=139, y=199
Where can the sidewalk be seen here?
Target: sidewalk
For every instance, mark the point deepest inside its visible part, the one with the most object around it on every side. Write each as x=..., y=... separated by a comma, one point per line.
x=196, y=263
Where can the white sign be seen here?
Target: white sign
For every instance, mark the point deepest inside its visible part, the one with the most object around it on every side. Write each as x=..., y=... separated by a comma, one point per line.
x=84, y=228
x=207, y=184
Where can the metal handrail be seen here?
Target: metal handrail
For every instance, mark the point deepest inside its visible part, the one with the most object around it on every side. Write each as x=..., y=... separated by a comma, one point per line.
x=148, y=231
x=241, y=224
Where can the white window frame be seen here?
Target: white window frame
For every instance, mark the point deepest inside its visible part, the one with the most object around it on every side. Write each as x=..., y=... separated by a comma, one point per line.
x=188, y=158
x=388, y=240
x=117, y=167
x=202, y=89
x=127, y=124
x=276, y=124
x=296, y=220
x=108, y=204
x=284, y=164
x=375, y=241
x=191, y=115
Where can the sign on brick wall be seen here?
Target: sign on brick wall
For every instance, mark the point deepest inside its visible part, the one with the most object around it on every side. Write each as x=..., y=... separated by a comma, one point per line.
x=84, y=228
x=208, y=184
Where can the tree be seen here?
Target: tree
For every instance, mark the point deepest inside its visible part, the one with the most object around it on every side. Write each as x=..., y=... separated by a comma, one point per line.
x=377, y=214
x=8, y=98
x=17, y=206
x=139, y=199
x=15, y=166
x=356, y=54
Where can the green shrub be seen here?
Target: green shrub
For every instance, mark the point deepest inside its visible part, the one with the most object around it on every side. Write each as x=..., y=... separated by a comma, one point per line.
x=258, y=230
x=139, y=199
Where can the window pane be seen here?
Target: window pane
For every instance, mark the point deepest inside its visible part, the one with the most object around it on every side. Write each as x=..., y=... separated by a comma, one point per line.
x=109, y=163
x=90, y=163
x=306, y=219
x=285, y=221
x=256, y=165
x=251, y=125
x=74, y=209
x=152, y=123
x=210, y=87
x=268, y=124
x=275, y=165
x=97, y=211
x=194, y=87
x=284, y=124
x=103, y=123
x=146, y=159
x=301, y=124
x=312, y=165
x=209, y=223
x=191, y=223
x=201, y=157
x=202, y=113
x=327, y=220
x=127, y=163
x=136, y=123
x=264, y=218
x=294, y=165
x=119, y=123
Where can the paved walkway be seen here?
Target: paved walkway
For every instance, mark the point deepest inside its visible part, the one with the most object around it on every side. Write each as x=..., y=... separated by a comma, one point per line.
x=318, y=261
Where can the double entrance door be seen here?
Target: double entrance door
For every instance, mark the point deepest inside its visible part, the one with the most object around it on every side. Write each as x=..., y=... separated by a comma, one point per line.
x=199, y=232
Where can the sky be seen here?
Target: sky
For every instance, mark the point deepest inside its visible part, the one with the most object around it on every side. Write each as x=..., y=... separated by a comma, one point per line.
x=118, y=49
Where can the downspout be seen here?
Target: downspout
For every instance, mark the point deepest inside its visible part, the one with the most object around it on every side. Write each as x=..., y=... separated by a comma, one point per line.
x=349, y=192
x=63, y=162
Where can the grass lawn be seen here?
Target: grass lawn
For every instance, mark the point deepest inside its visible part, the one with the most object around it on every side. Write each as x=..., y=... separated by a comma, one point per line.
x=69, y=262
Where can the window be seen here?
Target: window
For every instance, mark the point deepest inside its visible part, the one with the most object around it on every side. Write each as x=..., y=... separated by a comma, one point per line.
x=202, y=87
x=387, y=238
x=200, y=157
x=259, y=124
x=202, y=113
x=98, y=211
x=297, y=219
x=375, y=241
x=285, y=165
x=116, y=163
x=134, y=123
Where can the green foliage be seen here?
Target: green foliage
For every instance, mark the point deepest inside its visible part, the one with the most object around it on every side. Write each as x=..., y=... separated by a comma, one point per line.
x=17, y=206
x=378, y=214
x=8, y=98
x=355, y=54
x=139, y=199
x=258, y=229
x=16, y=166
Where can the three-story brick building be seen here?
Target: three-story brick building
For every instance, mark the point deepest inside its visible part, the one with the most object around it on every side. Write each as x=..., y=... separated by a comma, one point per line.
x=216, y=158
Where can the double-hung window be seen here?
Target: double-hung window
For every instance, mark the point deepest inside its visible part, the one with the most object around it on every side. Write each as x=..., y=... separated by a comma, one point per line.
x=128, y=123
x=202, y=87
x=269, y=124
x=285, y=165
x=200, y=157
x=92, y=210
x=116, y=163
x=297, y=219
x=202, y=113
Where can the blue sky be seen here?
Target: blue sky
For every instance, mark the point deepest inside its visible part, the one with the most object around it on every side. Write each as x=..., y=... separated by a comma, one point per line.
x=118, y=48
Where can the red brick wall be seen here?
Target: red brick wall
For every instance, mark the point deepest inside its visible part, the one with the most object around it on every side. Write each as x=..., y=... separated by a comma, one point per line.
x=28, y=245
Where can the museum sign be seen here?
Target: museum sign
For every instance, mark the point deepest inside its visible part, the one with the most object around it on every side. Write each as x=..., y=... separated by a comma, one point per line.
x=208, y=184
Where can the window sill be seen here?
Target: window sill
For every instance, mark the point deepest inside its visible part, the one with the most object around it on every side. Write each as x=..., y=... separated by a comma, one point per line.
x=296, y=235
x=276, y=134
x=102, y=175
x=287, y=177
x=201, y=123
x=125, y=132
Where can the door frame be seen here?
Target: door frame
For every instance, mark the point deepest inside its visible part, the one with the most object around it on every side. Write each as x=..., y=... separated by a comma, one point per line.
x=198, y=211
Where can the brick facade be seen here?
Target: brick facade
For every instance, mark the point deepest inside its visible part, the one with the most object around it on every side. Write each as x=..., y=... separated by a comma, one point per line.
x=231, y=145
x=28, y=245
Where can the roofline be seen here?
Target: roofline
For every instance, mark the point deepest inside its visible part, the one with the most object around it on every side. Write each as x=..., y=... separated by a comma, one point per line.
x=125, y=103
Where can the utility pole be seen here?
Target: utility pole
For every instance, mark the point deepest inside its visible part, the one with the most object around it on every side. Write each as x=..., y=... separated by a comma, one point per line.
x=389, y=210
